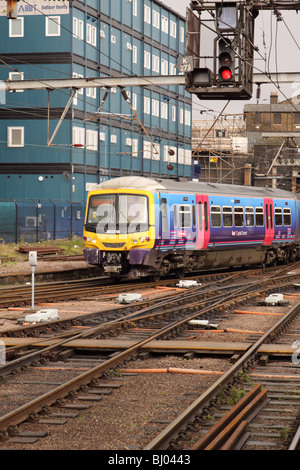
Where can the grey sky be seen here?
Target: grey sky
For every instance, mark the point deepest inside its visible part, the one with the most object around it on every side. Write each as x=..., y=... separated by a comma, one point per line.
x=282, y=49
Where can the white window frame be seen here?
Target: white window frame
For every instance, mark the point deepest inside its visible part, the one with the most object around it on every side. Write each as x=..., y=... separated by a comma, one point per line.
x=89, y=33
x=75, y=27
x=134, y=7
x=146, y=105
x=181, y=116
x=50, y=20
x=80, y=29
x=78, y=136
x=155, y=19
x=147, y=60
x=16, y=76
x=188, y=157
x=164, y=24
x=187, y=118
x=92, y=140
x=113, y=138
x=134, y=54
x=174, y=112
x=12, y=24
x=164, y=110
x=134, y=101
x=164, y=67
x=155, y=63
x=10, y=131
x=181, y=34
x=173, y=29
x=155, y=107
x=135, y=147
x=147, y=14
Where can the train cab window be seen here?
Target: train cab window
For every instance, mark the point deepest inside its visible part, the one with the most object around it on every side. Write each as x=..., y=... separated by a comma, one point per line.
x=259, y=216
x=278, y=216
x=215, y=214
x=239, y=216
x=184, y=212
x=249, y=216
x=227, y=216
x=175, y=215
x=287, y=216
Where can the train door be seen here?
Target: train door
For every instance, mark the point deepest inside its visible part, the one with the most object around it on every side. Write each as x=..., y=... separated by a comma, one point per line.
x=203, y=222
x=164, y=227
x=269, y=221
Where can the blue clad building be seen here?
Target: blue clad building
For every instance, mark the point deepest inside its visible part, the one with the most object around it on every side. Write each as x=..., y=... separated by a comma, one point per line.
x=99, y=138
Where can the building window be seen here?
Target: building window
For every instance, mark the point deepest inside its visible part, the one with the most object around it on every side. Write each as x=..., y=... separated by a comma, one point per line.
x=296, y=118
x=187, y=118
x=155, y=19
x=181, y=34
x=16, y=28
x=164, y=110
x=155, y=108
x=134, y=7
x=173, y=29
x=52, y=25
x=164, y=24
x=164, y=67
x=15, y=137
x=147, y=60
x=277, y=118
x=173, y=113
x=155, y=63
x=146, y=105
x=92, y=140
x=78, y=136
x=91, y=35
x=16, y=76
x=134, y=54
x=147, y=14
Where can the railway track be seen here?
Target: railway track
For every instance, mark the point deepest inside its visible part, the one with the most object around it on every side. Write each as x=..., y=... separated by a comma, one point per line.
x=165, y=318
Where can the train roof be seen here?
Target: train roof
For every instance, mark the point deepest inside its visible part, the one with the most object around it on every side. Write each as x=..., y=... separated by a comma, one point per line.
x=187, y=186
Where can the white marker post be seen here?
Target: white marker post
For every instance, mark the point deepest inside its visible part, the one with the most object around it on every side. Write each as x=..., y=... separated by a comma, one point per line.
x=33, y=264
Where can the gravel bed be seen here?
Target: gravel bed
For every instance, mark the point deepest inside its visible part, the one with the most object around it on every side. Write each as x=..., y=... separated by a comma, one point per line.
x=124, y=419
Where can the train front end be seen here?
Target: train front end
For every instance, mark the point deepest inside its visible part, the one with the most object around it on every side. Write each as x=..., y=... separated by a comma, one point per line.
x=119, y=231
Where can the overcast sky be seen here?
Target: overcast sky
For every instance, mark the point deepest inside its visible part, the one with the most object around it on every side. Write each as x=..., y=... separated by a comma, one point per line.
x=284, y=52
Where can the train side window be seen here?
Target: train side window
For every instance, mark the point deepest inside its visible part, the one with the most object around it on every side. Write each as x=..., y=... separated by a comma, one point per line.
x=175, y=215
x=267, y=216
x=249, y=216
x=287, y=216
x=206, y=216
x=278, y=216
x=194, y=215
x=215, y=214
x=239, y=216
x=227, y=216
x=259, y=215
x=200, y=215
x=184, y=213
x=164, y=214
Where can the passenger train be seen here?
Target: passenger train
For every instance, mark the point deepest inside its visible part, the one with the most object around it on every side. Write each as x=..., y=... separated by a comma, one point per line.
x=137, y=226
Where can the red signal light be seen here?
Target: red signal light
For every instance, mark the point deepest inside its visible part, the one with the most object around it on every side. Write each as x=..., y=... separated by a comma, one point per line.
x=226, y=74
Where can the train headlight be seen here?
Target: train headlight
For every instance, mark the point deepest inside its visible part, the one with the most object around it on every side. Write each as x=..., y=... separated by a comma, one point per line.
x=94, y=241
x=142, y=239
x=134, y=241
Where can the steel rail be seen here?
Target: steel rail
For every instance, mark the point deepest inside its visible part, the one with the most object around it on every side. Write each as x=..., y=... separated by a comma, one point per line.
x=22, y=413
x=162, y=441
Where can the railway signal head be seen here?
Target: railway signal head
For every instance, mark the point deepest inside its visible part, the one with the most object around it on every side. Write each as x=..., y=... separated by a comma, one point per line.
x=226, y=61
